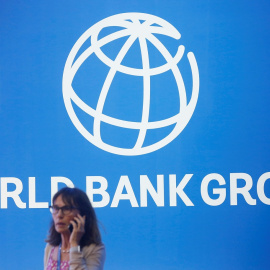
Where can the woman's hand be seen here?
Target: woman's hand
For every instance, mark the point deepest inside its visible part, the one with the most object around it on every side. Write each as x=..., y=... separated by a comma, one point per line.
x=78, y=230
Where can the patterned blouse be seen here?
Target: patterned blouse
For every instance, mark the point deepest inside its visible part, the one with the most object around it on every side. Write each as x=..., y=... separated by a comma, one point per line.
x=52, y=264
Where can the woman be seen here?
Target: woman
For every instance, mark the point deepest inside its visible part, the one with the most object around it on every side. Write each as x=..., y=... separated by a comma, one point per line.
x=74, y=240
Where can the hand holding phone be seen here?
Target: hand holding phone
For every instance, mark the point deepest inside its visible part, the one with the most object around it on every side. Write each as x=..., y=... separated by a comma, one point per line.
x=77, y=229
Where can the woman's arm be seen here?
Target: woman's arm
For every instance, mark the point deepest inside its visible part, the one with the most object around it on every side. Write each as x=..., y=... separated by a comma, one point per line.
x=90, y=258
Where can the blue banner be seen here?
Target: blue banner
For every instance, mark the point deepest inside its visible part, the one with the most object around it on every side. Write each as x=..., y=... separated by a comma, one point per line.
x=158, y=110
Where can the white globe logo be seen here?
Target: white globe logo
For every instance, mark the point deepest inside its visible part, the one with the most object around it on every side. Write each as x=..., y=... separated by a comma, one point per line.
x=141, y=28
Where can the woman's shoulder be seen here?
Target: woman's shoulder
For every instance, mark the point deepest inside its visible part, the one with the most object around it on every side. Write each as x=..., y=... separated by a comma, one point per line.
x=48, y=247
x=47, y=252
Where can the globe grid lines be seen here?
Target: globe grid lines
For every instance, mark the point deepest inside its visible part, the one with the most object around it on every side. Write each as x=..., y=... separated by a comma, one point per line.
x=102, y=57
x=133, y=21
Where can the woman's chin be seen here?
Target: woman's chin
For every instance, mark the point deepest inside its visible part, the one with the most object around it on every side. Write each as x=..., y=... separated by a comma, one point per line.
x=61, y=229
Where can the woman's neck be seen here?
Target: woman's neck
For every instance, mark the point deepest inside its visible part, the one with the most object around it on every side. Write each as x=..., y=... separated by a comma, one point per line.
x=65, y=240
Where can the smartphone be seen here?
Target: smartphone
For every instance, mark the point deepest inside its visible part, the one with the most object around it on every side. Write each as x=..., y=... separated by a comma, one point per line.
x=70, y=227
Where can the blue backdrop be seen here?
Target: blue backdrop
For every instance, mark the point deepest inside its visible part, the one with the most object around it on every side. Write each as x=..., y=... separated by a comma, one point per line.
x=228, y=133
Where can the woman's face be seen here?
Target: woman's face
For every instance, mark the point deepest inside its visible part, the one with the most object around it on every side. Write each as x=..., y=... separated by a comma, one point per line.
x=61, y=220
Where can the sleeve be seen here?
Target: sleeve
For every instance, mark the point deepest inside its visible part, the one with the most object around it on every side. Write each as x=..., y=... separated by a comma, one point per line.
x=91, y=258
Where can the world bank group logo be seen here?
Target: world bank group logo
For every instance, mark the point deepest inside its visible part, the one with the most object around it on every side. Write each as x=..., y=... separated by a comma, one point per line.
x=123, y=84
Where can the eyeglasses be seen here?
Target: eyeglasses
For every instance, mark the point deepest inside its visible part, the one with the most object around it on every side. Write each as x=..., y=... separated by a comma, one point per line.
x=66, y=210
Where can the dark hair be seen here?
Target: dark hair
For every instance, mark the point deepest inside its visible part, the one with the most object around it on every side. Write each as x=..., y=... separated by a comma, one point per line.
x=77, y=198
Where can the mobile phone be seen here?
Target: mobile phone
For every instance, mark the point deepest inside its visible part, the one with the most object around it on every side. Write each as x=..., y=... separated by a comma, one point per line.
x=70, y=227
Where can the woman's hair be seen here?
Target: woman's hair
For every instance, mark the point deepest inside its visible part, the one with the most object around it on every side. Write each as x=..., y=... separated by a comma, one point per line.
x=77, y=198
